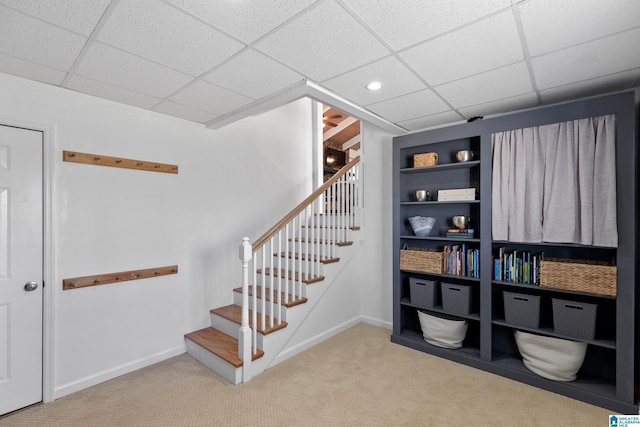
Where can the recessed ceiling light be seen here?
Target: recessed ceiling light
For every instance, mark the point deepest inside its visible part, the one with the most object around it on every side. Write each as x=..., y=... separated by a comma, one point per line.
x=374, y=86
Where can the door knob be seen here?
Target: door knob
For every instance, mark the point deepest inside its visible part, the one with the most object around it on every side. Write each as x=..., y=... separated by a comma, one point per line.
x=31, y=286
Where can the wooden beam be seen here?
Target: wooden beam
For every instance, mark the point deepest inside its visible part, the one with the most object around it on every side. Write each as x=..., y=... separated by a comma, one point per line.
x=103, y=279
x=117, y=162
x=341, y=126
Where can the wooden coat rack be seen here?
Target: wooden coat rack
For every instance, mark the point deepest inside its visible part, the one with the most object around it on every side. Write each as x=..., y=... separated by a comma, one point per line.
x=117, y=162
x=103, y=279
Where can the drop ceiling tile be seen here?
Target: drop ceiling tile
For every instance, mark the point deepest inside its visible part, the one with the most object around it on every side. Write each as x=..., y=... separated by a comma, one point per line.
x=177, y=110
x=609, y=55
x=118, y=68
x=597, y=86
x=253, y=74
x=247, y=20
x=550, y=25
x=505, y=82
x=80, y=16
x=106, y=91
x=410, y=22
x=324, y=42
x=210, y=98
x=482, y=46
x=445, y=118
x=411, y=106
x=396, y=79
x=28, y=38
x=30, y=70
x=157, y=31
x=519, y=102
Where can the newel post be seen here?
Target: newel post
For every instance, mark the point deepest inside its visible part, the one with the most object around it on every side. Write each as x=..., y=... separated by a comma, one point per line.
x=244, y=334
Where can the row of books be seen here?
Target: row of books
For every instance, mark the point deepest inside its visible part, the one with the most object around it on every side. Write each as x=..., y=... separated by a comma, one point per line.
x=516, y=266
x=460, y=260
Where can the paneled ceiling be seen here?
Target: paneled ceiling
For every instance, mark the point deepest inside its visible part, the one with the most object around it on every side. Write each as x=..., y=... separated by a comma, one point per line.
x=212, y=61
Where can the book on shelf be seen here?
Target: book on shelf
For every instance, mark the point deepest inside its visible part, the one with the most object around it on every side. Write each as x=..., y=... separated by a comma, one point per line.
x=460, y=233
x=461, y=260
x=516, y=266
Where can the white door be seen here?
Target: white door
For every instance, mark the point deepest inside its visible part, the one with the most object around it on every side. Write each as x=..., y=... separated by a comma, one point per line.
x=20, y=268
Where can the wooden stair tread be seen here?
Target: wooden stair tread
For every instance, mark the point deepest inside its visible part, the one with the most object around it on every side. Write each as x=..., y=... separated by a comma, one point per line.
x=354, y=228
x=233, y=313
x=220, y=344
x=303, y=240
x=290, y=275
x=296, y=255
x=290, y=301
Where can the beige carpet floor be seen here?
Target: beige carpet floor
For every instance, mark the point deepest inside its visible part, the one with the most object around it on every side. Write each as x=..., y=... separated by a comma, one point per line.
x=357, y=378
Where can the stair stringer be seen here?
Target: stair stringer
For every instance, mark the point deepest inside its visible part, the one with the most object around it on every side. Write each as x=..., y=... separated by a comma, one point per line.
x=275, y=345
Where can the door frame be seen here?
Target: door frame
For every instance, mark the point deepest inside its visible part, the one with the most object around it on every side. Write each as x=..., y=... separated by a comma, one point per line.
x=48, y=269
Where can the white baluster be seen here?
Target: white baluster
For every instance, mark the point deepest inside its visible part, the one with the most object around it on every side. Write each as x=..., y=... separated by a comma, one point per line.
x=263, y=290
x=312, y=255
x=288, y=254
x=254, y=305
x=274, y=276
x=279, y=294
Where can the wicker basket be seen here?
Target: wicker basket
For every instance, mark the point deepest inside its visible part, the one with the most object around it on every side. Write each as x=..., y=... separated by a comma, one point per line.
x=422, y=260
x=593, y=277
x=425, y=159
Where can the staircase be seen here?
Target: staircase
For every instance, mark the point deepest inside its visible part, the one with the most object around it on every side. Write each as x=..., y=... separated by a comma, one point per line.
x=285, y=273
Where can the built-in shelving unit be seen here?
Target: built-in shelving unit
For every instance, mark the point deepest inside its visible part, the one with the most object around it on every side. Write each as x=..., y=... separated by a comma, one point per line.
x=608, y=376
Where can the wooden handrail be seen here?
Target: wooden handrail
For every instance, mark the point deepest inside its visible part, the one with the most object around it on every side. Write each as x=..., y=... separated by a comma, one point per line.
x=306, y=202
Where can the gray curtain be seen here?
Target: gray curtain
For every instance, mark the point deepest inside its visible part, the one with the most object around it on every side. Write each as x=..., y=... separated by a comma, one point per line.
x=556, y=183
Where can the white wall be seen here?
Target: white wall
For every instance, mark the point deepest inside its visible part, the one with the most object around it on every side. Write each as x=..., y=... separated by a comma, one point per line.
x=107, y=220
x=377, y=279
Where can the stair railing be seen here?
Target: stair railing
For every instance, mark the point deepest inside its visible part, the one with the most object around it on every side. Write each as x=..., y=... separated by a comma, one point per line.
x=291, y=253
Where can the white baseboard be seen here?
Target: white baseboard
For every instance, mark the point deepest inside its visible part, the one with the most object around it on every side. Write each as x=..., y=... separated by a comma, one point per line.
x=317, y=339
x=377, y=322
x=103, y=376
x=292, y=351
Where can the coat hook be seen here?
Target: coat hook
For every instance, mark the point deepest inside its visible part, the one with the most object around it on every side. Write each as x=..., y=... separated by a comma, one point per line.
x=71, y=154
x=139, y=164
x=118, y=161
x=97, y=281
x=96, y=158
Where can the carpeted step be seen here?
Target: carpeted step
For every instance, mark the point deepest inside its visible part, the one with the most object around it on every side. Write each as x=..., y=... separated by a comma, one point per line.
x=291, y=302
x=219, y=344
x=233, y=313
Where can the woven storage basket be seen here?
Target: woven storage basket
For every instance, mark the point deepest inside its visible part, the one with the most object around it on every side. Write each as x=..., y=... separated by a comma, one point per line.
x=593, y=277
x=425, y=159
x=423, y=260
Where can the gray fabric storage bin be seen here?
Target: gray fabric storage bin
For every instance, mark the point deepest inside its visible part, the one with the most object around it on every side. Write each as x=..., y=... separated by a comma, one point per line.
x=422, y=292
x=574, y=319
x=456, y=299
x=521, y=309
